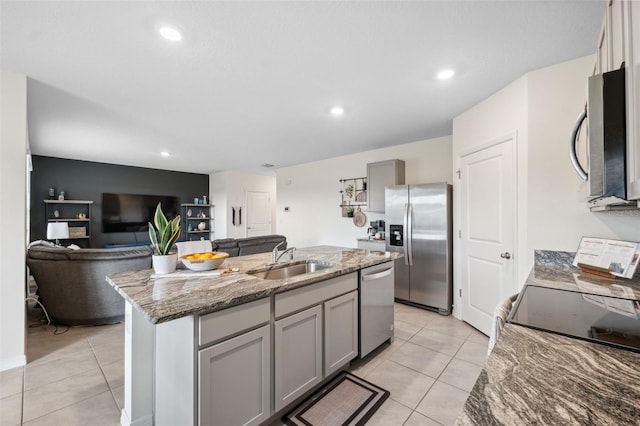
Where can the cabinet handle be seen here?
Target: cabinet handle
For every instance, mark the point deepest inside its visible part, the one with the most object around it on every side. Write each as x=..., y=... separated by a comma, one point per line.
x=505, y=255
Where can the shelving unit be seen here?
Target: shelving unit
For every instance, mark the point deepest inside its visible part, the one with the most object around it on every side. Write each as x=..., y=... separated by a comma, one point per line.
x=192, y=214
x=77, y=213
x=353, y=195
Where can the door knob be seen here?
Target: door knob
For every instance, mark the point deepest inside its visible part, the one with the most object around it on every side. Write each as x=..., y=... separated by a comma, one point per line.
x=505, y=255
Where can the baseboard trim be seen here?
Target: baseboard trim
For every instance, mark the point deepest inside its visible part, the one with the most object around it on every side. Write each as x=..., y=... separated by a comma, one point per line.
x=8, y=364
x=143, y=421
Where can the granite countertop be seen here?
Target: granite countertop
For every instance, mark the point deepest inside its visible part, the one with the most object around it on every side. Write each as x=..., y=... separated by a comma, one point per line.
x=535, y=377
x=165, y=299
x=554, y=270
x=538, y=377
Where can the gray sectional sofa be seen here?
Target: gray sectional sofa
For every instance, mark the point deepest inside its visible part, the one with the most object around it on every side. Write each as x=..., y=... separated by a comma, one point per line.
x=72, y=286
x=249, y=245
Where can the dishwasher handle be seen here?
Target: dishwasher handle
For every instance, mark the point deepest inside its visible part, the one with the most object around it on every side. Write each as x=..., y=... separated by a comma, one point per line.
x=377, y=275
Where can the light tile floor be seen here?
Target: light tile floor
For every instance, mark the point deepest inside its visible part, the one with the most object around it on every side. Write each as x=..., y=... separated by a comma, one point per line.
x=75, y=376
x=430, y=368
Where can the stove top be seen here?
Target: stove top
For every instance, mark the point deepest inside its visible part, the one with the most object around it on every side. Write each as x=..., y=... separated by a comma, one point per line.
x=602, y=319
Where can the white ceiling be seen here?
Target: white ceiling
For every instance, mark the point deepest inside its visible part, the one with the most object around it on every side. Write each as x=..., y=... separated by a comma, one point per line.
x=253, y=82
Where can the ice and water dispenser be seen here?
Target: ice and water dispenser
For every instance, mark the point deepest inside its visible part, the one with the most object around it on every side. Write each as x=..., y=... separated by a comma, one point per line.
x=396, y=236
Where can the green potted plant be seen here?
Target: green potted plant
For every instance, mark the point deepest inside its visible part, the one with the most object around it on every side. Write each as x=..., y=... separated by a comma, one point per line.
x=163, y=235
x=349, y=211
x=349, y=190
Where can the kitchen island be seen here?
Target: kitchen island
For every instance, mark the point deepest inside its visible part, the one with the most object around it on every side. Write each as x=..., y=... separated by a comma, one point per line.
x=540, y=377
x=238, y=349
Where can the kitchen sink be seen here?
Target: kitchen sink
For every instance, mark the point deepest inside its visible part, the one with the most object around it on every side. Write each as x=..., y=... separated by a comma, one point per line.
x=288, y=270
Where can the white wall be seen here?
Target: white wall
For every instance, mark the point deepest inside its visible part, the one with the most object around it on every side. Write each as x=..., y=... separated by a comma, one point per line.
x=557, y=196
x=229, y=189
x=311, y=190
x=541, y=107
x=13, y=115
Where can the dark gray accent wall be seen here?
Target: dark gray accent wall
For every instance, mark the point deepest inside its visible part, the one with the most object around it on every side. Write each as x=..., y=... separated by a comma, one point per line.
x=85, y=180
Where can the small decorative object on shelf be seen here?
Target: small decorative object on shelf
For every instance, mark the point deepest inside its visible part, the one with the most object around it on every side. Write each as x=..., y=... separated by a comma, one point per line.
x=61, y=196
x=52, y=193
x=349, y=191
x=77, y=213
x=198, y=221
x=353, y=195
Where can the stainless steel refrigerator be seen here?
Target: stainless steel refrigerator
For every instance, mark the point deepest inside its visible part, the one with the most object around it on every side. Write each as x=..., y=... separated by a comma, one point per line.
x=418, y=224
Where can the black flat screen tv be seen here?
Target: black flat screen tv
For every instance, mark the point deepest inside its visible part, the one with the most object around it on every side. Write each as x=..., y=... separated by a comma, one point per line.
x=133, y=212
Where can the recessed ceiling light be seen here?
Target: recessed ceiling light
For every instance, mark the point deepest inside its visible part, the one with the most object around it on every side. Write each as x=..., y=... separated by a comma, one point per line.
x=165, y=154
x=446, y=74
x=337, y=110
x=170, y=33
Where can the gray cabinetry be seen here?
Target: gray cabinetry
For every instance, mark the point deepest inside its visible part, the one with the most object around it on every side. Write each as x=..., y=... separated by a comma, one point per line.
x=375, y=245
x=340, y=331
x=234, y=374
x=245, y=362
x=299, y=346
x=298, y=355
x=379, y=175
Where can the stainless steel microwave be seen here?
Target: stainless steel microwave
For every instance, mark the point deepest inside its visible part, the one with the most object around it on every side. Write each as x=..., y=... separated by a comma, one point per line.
x=605, y=114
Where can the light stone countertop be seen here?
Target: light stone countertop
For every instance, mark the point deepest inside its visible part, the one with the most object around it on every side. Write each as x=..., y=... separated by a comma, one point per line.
x=165, y=299
x=535, y=377
x=538, y=377
x=554, y=270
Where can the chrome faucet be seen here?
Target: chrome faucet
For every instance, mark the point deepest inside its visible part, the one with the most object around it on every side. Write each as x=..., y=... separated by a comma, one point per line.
x=276, y=255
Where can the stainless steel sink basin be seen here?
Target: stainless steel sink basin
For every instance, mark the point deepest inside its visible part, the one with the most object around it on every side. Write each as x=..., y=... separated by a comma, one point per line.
x=288, y=270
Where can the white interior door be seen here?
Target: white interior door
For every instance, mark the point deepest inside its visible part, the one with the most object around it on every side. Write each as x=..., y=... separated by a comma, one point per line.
x=488, y=206
x=258, y=214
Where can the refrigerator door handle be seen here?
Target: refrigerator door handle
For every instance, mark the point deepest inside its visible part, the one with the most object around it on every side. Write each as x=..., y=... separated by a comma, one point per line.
x=405, y=244
x=409, y=233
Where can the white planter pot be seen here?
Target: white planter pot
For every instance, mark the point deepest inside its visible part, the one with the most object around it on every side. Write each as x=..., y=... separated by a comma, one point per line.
x=165, y=264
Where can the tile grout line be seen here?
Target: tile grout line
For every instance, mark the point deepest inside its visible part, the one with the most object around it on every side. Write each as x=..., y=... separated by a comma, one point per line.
x=66, y=406
x=104, y=376
x=24, y=378
x=452, y=357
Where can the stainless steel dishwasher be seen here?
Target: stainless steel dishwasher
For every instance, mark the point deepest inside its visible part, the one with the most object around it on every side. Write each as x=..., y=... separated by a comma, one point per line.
x=376, y=306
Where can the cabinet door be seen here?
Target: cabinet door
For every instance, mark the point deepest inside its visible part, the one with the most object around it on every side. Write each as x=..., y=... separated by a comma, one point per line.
x=371, y=245
x=298, y=355
x=379, y=175
x=340, y=331
x=602, y=50
x=616, y=32
x=235, y=378
x=632, y=59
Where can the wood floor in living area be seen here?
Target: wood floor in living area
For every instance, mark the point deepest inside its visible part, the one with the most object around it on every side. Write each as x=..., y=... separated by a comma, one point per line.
x=75, y=376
